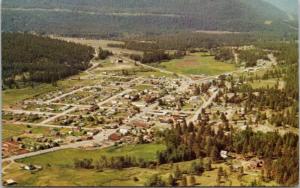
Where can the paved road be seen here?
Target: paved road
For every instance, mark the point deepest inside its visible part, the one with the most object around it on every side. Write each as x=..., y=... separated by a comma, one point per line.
x=151, y=107
x=99, y=138
x=155, y=68
x=114, y=97
x=7, y=166
x=29, y=112
x=51, y=126
x=119, y=94
x=72, y=104
x=67, y=94
x=59, y=115
x=203, y=106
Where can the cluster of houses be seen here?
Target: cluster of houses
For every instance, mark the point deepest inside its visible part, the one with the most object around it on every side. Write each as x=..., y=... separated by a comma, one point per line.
x=23, y=117
x=135, y=132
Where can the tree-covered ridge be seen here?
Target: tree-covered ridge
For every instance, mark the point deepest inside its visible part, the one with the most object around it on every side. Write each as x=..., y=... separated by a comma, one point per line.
x=191, y=141
x=178, y=7
x=141, y=16
x=33, y=58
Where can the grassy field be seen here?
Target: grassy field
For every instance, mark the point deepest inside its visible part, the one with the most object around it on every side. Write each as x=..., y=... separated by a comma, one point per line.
x=10, y=130
x=100, y=43
x=61, y=172
x=57, y=176
x=154, y=73
x=66, y=157
x=12, y=96
x=198, y=63
x=68, y=176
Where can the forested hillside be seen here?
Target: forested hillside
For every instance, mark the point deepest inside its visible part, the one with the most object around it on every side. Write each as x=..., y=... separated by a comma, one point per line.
x=289, y=6
x=111, y=18
x=29, y=58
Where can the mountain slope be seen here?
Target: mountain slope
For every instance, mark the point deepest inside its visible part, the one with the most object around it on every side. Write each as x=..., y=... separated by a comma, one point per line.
x=139, y=16
x=31, y=58
x=289, y=6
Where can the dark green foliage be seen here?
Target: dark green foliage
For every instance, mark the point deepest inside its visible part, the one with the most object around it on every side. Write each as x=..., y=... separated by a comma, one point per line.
x=197, y=168
x=155, y=181
x=155, y=16
x=171, y=180
x=40, y=59
x=103, y=54
x=251, y=56
x=286, y=52
x=155, y=56
x=188, y=41
x=272, y=146
x=183, y=146
x=85, y=163
x=280, y=150
x=223, y=54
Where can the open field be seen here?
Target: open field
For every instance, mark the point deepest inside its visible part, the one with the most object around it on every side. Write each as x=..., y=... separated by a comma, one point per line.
x=198, y=63
x=61, y=171
x=10, y=130
x=13, y=96
x=100, y=43
x=135, y=176
x=153, y=74
x=66, y=157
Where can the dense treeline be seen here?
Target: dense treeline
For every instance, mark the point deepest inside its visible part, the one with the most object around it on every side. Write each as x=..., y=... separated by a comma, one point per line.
x=114, y=162
x=284, y=149
x=103, y=54
x=187, y=41
x=156, y=56
x=285, y=51
x=282, y=100
x=154, y=16
x=251, y=56
x=188, y=142
x=31, y=58
x=223, y=54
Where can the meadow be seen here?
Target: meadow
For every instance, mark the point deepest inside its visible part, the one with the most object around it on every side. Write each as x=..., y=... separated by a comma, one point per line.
x=66, y=157
x=10, y=130
x=62, y=173
x=198, y=63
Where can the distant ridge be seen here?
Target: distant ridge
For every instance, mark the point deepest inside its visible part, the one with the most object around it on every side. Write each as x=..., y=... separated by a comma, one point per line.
x=114, y=17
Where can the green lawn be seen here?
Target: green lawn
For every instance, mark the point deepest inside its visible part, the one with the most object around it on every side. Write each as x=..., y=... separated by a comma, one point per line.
x=153, y=73
x=198, y=63
x=10, y=130
x=12, y=96
x=68, y=176
x=66, y=157
x=57, y=176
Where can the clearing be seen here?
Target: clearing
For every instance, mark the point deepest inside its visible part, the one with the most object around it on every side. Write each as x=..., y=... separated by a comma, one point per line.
x=63, y=174
x=10, y=130
x=66, y=157
x=198, y=63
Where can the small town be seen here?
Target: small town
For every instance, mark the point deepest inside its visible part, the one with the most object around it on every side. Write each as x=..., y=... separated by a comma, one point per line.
x=153, y=93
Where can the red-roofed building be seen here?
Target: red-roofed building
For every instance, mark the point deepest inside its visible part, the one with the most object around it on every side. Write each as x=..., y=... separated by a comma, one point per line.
x=115, y=137
x=139, y=124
